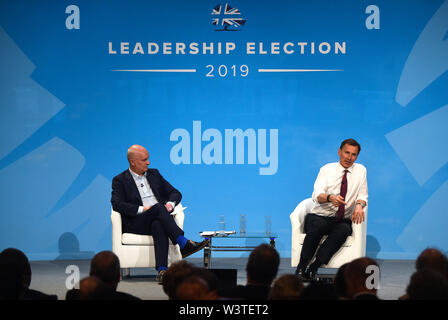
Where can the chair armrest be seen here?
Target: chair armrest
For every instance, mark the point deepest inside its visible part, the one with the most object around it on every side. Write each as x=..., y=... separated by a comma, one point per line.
x=116, y=228
x=298, y=215
x=359, y=233
x=296, y=225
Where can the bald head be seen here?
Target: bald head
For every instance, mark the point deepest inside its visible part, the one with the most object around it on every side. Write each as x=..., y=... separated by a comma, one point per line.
x=136, y=150
x=138, y=158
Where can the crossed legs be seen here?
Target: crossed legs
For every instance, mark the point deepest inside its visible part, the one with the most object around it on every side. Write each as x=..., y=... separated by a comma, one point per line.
x=161, y=225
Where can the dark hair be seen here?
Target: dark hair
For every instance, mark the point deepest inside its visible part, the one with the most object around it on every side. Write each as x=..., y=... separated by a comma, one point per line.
x=432, y=258
x=176, y=273
x=105, y=265
x=427, y=284
x=339, y=282
x=351, y=142
x=287, y=287
x=262, y=266
x=15, y=273
x=319, y=291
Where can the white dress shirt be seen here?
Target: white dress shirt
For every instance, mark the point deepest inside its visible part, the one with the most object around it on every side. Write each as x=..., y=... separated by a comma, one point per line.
x=329, y=182
x=144, y=189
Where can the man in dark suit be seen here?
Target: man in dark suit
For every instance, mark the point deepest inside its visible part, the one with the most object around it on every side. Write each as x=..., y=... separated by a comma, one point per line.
x=145, y=200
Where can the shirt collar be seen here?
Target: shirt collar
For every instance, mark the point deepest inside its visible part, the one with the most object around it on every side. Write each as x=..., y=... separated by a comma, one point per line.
x=135, y=175
x=349, y=169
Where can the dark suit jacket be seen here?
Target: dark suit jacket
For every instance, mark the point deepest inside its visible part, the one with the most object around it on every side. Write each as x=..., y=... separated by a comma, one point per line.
x=126, y=198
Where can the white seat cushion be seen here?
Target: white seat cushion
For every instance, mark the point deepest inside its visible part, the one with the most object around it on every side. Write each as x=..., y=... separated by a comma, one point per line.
x=347, y=242
x=137, y=239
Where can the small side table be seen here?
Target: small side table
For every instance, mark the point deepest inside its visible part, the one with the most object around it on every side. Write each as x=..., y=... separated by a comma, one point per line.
x=212, y=248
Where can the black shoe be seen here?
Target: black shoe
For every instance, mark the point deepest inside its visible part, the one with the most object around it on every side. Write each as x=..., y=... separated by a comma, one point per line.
x=160, y=276
x=311, y=272
x=301, y=274
x=193, y=247
x=310, y=275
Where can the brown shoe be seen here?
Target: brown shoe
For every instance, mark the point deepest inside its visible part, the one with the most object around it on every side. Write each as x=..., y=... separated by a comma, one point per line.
x=193, y=247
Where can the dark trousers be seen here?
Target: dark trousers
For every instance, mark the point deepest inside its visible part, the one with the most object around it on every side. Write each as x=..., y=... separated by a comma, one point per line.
x=158, y=223
x=315, y=228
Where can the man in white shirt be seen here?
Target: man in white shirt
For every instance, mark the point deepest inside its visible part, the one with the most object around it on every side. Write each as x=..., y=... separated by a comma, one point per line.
x=340, y=193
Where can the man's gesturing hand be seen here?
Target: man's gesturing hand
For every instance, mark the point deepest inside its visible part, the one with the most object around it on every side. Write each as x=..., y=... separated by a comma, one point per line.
x=337, y=200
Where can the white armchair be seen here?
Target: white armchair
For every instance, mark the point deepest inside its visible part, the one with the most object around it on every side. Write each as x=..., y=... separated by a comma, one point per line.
x=137, y=251
x=353, y=248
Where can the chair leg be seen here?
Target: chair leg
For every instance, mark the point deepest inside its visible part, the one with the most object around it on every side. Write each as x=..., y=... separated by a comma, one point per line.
x=125, y=273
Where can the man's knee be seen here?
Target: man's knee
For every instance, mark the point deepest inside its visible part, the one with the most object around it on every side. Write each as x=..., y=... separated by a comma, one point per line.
x=343, y=229
x=315, y=224
x=157, y=210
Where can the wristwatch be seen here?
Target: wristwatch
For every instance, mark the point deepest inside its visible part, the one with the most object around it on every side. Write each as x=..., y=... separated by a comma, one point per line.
x=361, y=204
x=328, y=198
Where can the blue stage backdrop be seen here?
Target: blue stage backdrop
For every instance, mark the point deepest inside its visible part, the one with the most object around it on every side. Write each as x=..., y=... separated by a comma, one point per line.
x=239, y=104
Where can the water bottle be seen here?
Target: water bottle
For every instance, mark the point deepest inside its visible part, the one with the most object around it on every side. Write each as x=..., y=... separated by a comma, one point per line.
x=267, y=225
x=243, y=224
x=222, y=223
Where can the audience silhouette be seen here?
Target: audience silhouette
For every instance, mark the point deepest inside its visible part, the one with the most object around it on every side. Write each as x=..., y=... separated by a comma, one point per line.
x=433, y=259
x=105, y=276
x=15, y=277
x=317, y=290
x=427, y=284
x=339, y=282
x=184, y=281
x=92, y=288
x=357, y=282
x=429, y=280
x=286, y=287
x=195, y=288
x=175, y=274
x=261, y=270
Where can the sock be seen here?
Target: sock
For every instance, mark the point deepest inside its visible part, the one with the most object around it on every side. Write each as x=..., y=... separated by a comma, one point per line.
x=160, y=268
x=181, y=241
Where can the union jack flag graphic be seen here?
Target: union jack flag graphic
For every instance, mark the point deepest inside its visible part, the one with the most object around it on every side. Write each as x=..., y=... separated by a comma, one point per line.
x=227, y=17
